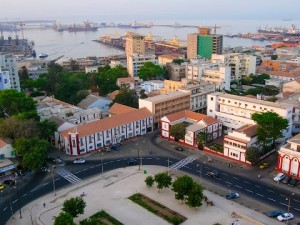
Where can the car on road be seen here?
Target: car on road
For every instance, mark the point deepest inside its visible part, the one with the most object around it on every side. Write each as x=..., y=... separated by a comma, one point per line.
x=2, y=186
x=131, y=162
x=179, y=149
x=264, y=165
x=232, y=195
x=293, y=182
x=78, y=161
x=286, y=180
x=9, y=182
x=274, y=213
x=285, y=217
x=57, y=160
x=279, y=177
x=214, y=174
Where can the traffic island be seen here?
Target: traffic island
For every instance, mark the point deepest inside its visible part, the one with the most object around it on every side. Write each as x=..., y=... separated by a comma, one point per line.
x=158, y=209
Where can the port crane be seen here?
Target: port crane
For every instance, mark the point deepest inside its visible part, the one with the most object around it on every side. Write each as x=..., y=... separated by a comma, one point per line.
x=215, y=27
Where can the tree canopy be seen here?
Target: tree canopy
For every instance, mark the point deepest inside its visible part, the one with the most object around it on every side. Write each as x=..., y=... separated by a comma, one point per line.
x=270, y=126
x=182, y=187
x=150, y=71
x=195, y=196
x=252, y=155
x=163, y=180
x=127, y=97
x=64, y=218
x=74, y=206
x=177, y=131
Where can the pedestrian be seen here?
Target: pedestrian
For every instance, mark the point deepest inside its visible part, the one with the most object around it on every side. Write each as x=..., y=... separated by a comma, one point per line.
x=44, y=204
x=258, y=176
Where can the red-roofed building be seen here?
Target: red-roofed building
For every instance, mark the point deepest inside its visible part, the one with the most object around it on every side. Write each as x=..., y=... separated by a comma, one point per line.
x=95, y=135
x=196, y=124
x=117, y=109
x=6, y=150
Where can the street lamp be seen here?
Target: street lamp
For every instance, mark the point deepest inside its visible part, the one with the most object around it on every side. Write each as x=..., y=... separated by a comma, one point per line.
x=289, y=205
x=53, y=167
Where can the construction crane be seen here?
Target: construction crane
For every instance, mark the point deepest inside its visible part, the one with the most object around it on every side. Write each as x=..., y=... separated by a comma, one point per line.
x=21, y=25
x=215, y=27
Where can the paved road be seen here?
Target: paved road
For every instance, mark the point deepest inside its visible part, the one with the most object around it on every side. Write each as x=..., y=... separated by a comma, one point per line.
x=242, y=185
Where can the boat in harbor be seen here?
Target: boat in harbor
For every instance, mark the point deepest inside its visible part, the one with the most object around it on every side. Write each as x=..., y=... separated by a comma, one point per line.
x=292, y=31
x=134, y=25
x=43, y=55
x=85, y=27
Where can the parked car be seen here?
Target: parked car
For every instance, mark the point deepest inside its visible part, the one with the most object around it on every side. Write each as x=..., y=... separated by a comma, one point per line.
x=57, y=160
x=115, y=147
x=274, y=213
x=214, y=174
x=180, y=149
x=264, y=165
x=9, y=182
x=285, y=217
x=232, y=195
x=131, y=162
x=78, y=161
x=293, y=182
x=279, y=177
x=2, y=186
x=286, y=180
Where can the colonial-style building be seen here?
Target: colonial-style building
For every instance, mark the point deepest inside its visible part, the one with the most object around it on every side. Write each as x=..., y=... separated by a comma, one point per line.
x=289, y=157
x=196, y=124
x=95, y=135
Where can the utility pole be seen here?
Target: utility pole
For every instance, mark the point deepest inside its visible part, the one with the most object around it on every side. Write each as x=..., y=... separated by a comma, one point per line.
x=289, y=205
x=53, y=181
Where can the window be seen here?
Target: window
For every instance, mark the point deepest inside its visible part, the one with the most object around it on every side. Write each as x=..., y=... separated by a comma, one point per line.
x=90, y=139
x=211, y=98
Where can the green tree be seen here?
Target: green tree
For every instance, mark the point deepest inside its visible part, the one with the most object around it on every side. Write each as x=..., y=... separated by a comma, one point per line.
x=182, y=186
x=64, y=218
x=248, y=80
x=150, y=71
x=252, y=155
x=195, y=196
x=270, y=126
x=74, y=65
x=127, y=97
x=143, y=94
x=274, y=57
x=149, y=181
x=177, y=131
x=254, y=91
x=22, y=146
x=74, y=206
x=178, y=61
x=270, y=90
x=163, y=180
x=47, y=129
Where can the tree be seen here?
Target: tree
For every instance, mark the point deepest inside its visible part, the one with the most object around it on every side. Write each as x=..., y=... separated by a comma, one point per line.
x=195, y=196
x=178, y=61
x=248, y=80
x=270, y=126
x=274, y=57
x=252, y=155
x=74, y=206
x=64, y=218
x=47, y=129
x=149, y=181
x=150, y=71
x=143, y=94
x=74, y=65
x=270, y=90
x=127, y=97
x=182, y=186
x=177, y=131
x=163, y=180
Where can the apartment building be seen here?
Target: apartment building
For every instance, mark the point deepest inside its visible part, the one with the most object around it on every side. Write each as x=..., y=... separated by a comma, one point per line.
x=205, y=71
x=235, y=111
x=176, y=71
x=291, y=86
x=95, y=135
x=164, y=59
x=4, y=80
x=289, y=157
x=136, y=61
x=204, y=44
x=135, y=43
x=152, y=85
x=8, y=64
x=196, y=124
x=126, y=81
x=198, y=93
x=242, y=65
x=170, y=86
x=238, y=141
x=162, y=105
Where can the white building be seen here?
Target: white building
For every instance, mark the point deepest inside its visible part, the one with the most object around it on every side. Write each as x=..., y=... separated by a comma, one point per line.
x=242, y=65
x=152, y=85
x=95, y=135
x=91, y=69
x=6, y=149
x=136, y=61
x=235, y=111
x=8, y=63
x=4, y=80
x=205, y=71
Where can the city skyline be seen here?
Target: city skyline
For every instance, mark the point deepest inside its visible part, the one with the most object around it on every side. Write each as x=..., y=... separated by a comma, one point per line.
x=139, y=9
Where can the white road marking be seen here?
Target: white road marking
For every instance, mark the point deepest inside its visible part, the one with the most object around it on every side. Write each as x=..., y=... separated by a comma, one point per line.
x=237, y=186
x=296, y=200
x=33, y=190
x=91, y=167
x=297, y=209
x=246, y=182
x=283, y=204
x=249, y=190
x=271, y=191
x=24, y=195
x=158, y=159
x=15, y=201
x=228, y=182
x=225, y=174
x=257, y=186
x=118, y=160
x=235, y=178
x=260, y=195
x=187, y=167
x=4, y=209
x=85, y=169
x=77, y=172
x=282, y=195
x=272, y=199
x=57, y=179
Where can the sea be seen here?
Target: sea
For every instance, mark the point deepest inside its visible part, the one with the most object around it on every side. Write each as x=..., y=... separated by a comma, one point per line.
x=81, y=44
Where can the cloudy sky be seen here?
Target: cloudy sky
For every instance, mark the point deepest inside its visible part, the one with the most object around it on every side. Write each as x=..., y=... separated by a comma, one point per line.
x=153, y=9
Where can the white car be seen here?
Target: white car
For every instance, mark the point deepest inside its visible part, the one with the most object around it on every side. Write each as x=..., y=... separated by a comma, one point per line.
x=285, y=217
x=77, y=161
x=279, y=177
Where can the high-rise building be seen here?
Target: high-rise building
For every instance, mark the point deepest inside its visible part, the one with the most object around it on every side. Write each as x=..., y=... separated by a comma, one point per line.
x=8, y=63
x=204, y=44
x=135, y=43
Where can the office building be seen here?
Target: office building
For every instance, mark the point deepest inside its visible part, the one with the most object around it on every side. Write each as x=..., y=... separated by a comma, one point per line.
x=136, y=61
x=8, y=63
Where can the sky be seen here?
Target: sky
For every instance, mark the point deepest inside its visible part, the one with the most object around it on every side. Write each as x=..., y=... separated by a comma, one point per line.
x=149, y=10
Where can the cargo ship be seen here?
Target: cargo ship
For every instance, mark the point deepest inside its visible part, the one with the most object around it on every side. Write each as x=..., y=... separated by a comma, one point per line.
x=134, y=25
x=280, y=31
x=85, y=27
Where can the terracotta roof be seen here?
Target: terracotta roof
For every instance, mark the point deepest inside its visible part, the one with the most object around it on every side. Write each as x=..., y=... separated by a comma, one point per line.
x=108, y=123
x=4, y=142
x=117, y=109
x=287, y=93
x=113, y=94
x=171, y=56
x=153, y=93
x=125, y=80
x=191, y=115
x=250, y=96
x=250, y=130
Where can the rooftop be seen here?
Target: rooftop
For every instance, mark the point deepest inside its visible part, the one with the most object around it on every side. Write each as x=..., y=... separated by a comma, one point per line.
x=187, y=114
x=249, y=130
x=117, y=109
x=89, y=100
x=295, y=139
x=166, y=97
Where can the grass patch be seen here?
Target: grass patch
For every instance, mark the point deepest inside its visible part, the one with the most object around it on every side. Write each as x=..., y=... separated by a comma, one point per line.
x=216, y=147
x=158, y=209
x=101, y=218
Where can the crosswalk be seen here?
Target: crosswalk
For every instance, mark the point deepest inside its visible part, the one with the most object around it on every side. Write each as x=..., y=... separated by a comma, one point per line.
x=68, y=175
x=184, y=162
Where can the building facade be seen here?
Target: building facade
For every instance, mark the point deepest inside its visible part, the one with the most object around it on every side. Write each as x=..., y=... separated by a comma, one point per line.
x=152, y=85
x=162, y=105
x=8, y=63
x=136, y=61
x=4, y=80
x=176, y=71
x=95, y=135
x=170, y=86
x=164, y=59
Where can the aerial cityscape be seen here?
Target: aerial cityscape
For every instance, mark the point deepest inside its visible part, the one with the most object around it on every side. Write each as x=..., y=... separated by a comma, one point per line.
x=141, y=113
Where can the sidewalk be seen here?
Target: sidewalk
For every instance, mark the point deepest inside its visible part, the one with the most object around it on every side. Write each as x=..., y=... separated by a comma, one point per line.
x=111, y=190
